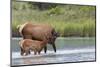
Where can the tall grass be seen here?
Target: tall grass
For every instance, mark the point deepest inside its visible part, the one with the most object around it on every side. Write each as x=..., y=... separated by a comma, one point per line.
x=68, y=20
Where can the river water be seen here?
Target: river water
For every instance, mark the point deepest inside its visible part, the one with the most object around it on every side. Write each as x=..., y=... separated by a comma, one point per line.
x=70, y=49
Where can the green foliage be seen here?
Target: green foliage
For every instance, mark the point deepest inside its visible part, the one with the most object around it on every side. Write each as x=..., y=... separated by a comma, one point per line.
x=54, y=11
x=68, y=20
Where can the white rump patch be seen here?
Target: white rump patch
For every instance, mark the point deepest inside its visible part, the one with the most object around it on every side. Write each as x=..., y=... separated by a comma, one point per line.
x=21, y=27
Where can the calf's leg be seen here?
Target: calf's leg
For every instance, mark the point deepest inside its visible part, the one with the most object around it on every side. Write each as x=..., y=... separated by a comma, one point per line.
x=27, y=52
x=22, y=51
x=35, y=52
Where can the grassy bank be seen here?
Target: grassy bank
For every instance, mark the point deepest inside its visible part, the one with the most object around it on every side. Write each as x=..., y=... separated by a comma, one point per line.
x=70, y=29
x=68, y=20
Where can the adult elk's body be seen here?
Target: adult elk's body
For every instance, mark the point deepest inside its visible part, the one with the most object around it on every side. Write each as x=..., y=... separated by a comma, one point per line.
x=39, y=32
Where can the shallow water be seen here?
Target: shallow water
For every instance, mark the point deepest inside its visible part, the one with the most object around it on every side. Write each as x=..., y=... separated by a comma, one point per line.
x=68, y=50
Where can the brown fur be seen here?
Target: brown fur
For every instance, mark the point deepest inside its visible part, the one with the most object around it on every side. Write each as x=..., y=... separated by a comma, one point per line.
x=39, y=32
x=27, y=44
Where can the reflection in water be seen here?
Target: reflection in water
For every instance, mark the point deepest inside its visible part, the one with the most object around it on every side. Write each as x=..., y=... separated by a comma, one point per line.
x=39, y=59
x=65, y=56
x=61, y=43
x=36, y=60
x=27, y=61
x=68, y=50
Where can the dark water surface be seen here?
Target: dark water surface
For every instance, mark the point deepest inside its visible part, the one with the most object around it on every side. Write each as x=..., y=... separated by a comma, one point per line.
x=68, y=50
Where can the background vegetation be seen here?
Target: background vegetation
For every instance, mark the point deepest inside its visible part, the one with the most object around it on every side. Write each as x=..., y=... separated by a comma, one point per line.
x=68, y=20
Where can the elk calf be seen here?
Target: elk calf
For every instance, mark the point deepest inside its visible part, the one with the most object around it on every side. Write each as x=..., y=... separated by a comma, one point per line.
x=27, y=44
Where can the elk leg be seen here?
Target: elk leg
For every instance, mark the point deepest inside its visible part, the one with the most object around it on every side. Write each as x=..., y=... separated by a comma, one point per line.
x=45, y=49
x=22, y=51
x=35, y=52
x=54, y=47
x=27, y=52
x=39, y=52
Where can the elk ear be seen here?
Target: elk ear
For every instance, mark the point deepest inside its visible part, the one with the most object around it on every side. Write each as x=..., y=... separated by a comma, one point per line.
x=58, y=34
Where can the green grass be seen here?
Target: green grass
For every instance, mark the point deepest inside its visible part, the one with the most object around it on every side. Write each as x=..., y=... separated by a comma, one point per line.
x=68, y=20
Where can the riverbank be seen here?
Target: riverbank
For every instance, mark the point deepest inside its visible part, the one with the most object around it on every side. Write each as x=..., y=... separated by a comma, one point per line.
x=85, y=29
x=68, y=20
